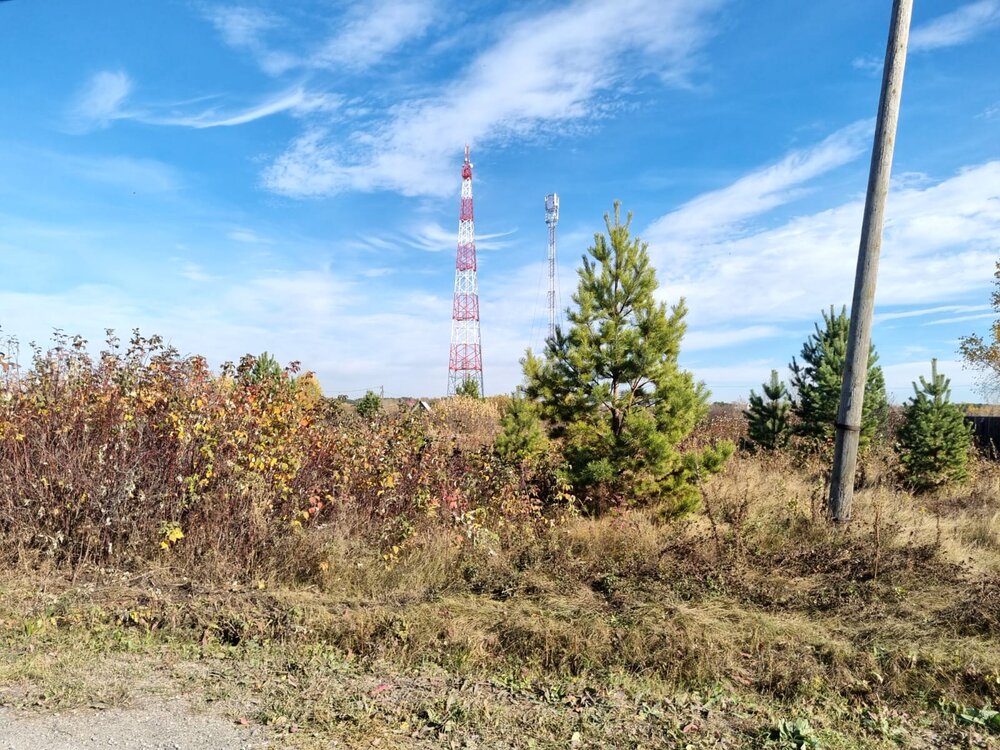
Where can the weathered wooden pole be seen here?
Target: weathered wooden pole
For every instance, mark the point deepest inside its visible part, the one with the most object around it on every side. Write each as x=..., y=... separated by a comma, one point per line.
x=852, y=393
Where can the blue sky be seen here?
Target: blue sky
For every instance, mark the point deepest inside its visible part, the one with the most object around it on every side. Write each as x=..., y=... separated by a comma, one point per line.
x=284, y=176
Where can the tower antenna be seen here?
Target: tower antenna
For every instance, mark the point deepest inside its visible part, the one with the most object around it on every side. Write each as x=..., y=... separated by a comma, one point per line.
x=551, y=219
x=465, y=360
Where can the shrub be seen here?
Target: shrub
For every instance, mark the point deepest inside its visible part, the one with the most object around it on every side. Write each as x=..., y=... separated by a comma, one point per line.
x=140, y=452
x=475, y=420
x=983, y=354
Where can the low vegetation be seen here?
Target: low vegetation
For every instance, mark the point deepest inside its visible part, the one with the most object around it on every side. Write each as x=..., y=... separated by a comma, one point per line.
x=375, y=581
x=589, y=564
x=752, y=623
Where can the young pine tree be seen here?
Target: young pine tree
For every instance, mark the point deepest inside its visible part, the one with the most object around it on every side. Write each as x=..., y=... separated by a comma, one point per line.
x=612, y=391
x=934, y=441
x=468, y=388
x=266, y=369
x=768, y=415
x=817, y=381
x=369, y=406
x=521, y=437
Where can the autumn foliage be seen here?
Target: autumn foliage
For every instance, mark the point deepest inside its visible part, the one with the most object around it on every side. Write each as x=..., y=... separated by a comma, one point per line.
x=140, y=452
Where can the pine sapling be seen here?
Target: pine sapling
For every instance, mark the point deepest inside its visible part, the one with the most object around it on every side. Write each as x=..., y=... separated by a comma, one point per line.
x=816, y=382
x=521, y=437
x=934, y=440
x=768, y=415
x=611, y=389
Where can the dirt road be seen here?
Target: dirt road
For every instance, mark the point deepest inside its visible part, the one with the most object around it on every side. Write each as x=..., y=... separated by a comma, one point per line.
x=168, y=724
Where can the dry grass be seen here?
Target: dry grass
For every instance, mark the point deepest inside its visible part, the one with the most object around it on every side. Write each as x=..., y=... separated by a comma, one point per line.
x=475, y=420
x=620, y=628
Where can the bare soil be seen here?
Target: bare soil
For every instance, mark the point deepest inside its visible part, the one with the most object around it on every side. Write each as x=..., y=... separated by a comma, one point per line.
x=163, y=724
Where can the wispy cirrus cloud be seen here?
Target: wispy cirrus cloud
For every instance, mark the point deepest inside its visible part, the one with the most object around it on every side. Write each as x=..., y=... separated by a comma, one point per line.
x=245, y=28
x=248, y=236
x=241, y=26
x=194, y=272
x=867, y=63
x=957, y=27
x=361, y=38
x=137, y=174
x=939, y=245
x=721, y=213
x=550, y=69
x=297, y=101
x=960, y=319
x=104, y=99
x=373, y=30
x=884, y=317
x=992, y=112
x=716, y=339
x=432, y=237
x=100, y=101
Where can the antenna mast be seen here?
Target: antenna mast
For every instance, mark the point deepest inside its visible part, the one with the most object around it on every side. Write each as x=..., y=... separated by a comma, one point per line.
x=551, y=219
x=465, y=361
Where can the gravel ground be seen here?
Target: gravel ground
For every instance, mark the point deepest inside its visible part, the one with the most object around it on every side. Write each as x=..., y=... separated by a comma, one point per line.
x=167, y=725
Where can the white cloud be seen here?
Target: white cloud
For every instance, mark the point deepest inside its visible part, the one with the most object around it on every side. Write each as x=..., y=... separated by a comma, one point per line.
x=736, y=380
x=297, y=101
x=699, y=340
x=302, y=296
x=547, y=70
x=248, y=236
x=960, y=319
x=433, y=238
x=372, y=31
x=939, y=245
x=885, y=317
x=313, y=315
x=245, y=28
x=309, y=168
x=720, y=213
x=194, y=272
x=241, y=26
x=867, y=63
x=900, y=377
x=130, y=173
x=957, y=27
x=363, y=37
x=100, y=100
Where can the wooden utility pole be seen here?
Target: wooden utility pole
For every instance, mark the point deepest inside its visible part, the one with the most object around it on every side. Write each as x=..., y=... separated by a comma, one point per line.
x=852, y=393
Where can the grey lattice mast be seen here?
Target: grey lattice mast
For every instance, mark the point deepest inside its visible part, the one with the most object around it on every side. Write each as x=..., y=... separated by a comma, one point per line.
x=465, y=360
x=551, y=219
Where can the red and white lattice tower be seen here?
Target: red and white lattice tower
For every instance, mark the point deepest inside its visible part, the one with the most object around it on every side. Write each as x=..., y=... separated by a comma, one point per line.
x=465, y=361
